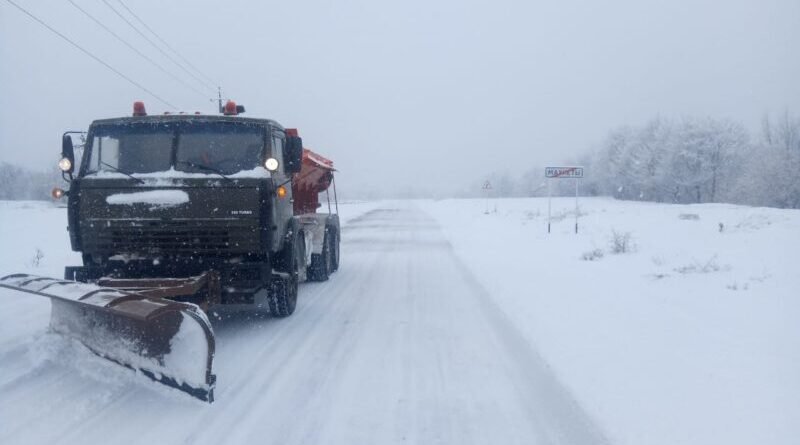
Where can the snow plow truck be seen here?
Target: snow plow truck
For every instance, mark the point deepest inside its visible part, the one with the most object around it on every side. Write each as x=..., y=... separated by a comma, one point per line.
x=177, y=214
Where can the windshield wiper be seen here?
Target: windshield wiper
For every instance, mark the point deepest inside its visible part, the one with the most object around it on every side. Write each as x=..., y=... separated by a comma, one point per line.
x=123, y=172
x=206, y=168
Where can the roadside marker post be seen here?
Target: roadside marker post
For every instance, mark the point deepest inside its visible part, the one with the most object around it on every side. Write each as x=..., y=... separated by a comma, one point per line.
x=487, y=186
x=562, y=173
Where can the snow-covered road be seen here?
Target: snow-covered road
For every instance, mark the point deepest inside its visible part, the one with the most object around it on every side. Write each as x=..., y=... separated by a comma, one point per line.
x=402, y=345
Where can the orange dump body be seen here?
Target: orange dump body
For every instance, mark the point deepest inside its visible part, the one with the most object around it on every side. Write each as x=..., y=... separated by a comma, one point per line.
x=316, y=175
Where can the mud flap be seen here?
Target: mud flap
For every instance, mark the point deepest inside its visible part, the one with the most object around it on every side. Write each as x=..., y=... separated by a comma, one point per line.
x=170, y=342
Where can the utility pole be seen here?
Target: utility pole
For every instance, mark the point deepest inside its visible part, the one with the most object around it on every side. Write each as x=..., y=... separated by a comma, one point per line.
x=219, y=99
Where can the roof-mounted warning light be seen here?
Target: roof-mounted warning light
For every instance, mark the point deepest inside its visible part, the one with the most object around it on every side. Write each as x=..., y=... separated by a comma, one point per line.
x=138, y=108
x=231, y=109
x=292, y=132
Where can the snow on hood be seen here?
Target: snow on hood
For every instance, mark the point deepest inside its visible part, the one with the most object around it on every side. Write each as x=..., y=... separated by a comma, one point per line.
x=157, y=198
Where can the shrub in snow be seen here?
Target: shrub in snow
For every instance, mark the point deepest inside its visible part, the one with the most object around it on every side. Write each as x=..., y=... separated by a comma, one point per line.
x=592, y=255
x=532, y=215
x=37, y=257
x=735, y=286
x=700, y=267
x=621, y=242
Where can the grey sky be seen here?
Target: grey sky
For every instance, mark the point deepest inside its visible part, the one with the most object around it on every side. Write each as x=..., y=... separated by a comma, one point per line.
x=413, y=91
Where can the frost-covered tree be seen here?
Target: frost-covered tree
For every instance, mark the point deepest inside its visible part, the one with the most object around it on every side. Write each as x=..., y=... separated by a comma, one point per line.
x=706, y=158
x=692, y=160
x=615, y=166
x=769, y=176
x=649, y=154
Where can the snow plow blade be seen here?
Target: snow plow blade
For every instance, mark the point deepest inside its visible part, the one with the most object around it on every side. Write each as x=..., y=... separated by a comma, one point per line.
x=170, y=342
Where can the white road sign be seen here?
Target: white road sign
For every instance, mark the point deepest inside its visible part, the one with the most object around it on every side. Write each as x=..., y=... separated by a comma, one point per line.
x=560, y=173
x=563, y=172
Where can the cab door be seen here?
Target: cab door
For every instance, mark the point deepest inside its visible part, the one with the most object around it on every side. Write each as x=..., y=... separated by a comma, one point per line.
x=283, y=203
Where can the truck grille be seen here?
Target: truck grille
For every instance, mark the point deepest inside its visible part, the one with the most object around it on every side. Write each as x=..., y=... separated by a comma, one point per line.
x=170, y=236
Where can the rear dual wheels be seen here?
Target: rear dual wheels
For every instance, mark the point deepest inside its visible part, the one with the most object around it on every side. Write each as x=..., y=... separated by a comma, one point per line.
x=325, y=263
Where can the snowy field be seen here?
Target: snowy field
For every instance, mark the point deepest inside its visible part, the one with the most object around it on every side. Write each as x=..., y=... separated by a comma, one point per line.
x=656, y=324
x=693, y=336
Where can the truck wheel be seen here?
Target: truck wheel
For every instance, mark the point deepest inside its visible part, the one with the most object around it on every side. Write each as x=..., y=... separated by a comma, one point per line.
x=283, y=298
x=321, y=266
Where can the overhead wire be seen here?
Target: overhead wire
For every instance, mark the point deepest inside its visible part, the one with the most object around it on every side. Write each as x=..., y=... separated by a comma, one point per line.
x=96, y=58
x=189, y=64
x=164, y=53
x=137, y=51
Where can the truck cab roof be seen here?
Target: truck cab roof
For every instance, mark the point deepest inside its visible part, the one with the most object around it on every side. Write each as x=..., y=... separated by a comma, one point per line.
x=159, y=118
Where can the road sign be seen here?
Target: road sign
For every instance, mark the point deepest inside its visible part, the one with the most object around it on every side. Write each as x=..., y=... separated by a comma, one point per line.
x=563, y=172
x=487, y=185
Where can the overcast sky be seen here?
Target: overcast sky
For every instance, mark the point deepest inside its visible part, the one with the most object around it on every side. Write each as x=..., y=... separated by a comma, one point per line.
x=408, y=92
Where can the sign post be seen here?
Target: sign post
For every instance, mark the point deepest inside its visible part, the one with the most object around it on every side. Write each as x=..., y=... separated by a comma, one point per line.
x=561, y=173
x=487, y=186
x=549, y=203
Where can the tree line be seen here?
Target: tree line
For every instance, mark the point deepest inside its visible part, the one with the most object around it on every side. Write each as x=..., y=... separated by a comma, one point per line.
x=24, y=184
x=690, y=160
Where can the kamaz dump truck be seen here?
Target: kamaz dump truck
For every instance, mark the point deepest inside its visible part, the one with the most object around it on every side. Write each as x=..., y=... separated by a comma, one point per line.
x=176, y=214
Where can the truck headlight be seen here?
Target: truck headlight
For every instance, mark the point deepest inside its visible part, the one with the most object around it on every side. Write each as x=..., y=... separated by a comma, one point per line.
x=271, y=164
x=65, y=164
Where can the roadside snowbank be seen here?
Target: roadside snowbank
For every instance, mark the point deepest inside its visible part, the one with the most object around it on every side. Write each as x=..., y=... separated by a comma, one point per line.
x=691, y=336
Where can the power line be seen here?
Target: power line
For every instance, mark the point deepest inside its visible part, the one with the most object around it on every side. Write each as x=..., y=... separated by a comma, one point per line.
x=165, y=43
x=141, y=54
x=99, y=60
x=164, y=53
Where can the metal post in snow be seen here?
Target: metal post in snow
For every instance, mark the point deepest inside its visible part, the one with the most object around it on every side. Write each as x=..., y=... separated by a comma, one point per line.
x=576, y=205
x=549, y=202
x=487, y=186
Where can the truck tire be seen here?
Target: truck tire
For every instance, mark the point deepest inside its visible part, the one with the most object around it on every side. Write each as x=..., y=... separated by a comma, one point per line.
x=283, y=298
x=321, y=263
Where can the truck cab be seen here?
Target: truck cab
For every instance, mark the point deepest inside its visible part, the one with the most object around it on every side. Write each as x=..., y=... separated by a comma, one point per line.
x=179, y=196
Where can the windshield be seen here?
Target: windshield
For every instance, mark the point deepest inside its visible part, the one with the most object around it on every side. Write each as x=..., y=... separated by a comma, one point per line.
x=219, y=147
x=141, y=148
x=196, y=147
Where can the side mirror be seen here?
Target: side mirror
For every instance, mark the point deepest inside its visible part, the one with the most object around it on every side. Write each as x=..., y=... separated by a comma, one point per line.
x=293, y=156
x=67, y=163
